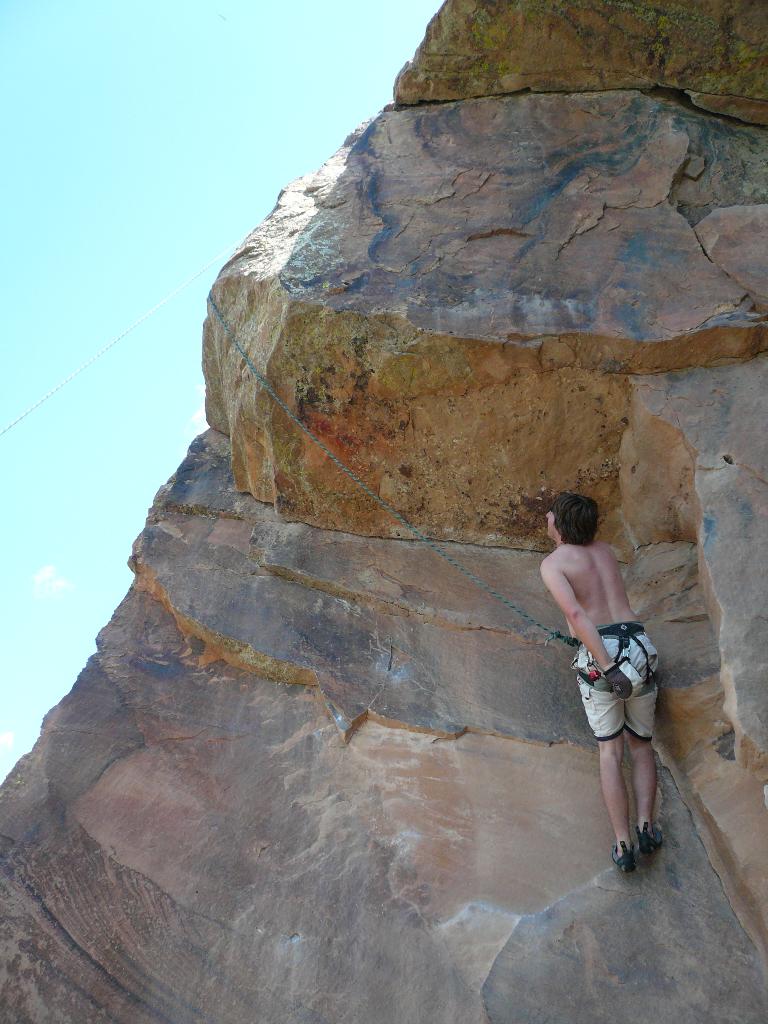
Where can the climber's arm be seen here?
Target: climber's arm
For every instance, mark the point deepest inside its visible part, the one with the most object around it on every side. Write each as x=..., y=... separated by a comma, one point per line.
x=582, y=627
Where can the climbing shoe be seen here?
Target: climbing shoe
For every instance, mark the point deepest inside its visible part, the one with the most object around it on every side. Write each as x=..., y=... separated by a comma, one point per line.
x=649, y=839
x=624, y=861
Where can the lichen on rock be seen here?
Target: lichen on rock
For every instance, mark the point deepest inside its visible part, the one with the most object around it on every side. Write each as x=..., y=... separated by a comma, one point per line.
x=467, y=290
x=316, y=775
x=716, y=51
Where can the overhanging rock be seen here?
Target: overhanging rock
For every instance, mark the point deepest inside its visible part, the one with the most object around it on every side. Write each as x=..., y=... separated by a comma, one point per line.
x=454, y=303
x=715, y=50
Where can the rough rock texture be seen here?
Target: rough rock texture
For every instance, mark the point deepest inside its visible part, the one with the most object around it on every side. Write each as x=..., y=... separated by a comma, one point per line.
x=696, y=462
x=480, y=277
x=714, y=413
x=192, y=840
x=425, y=648
x=314, y=775
x=609, y=937
x=733, y=106
x=736, y=239
x=716, y=50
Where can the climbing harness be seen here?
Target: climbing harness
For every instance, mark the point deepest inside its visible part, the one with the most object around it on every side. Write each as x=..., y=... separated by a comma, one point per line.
x=552, y=634
x=626, y=633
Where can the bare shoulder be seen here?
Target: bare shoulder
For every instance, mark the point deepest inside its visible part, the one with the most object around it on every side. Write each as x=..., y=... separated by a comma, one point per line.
x=552, y=563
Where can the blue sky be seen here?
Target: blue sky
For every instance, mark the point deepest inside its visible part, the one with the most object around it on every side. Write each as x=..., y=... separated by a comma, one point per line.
x=141, y=140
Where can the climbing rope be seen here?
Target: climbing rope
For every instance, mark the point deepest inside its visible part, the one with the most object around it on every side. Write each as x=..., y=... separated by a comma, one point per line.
x=97, y=355
x=552, y=634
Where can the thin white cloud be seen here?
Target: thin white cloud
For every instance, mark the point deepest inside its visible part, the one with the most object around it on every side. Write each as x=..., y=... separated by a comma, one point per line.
x=6, y=740
x=48, y=583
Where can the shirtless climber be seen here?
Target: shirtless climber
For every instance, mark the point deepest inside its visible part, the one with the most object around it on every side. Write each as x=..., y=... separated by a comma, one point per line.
x=615, y=664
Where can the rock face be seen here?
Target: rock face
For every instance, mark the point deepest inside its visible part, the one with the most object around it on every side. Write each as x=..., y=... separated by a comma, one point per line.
x=218, y=849
x=736, y=239
x=318, y=774
x=482, y=277
x=424, y=648
x=714, y=413
x=715, y=50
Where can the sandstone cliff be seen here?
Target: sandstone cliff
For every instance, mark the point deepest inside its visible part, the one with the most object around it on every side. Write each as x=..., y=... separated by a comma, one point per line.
x=313, y=774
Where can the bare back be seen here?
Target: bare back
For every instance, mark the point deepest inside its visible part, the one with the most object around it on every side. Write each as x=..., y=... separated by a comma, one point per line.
x=594, y=575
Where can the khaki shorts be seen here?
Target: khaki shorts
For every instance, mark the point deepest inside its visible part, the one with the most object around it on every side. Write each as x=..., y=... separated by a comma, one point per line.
x=607, y=714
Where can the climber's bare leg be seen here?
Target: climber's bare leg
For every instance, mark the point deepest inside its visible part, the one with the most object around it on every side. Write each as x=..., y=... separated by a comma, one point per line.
x=614, y=788
x=643, y=778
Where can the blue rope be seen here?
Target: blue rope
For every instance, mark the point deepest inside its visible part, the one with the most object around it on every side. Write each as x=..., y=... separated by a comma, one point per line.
x=553, y=634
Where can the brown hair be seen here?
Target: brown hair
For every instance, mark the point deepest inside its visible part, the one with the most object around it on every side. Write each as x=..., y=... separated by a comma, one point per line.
x=575, y=517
